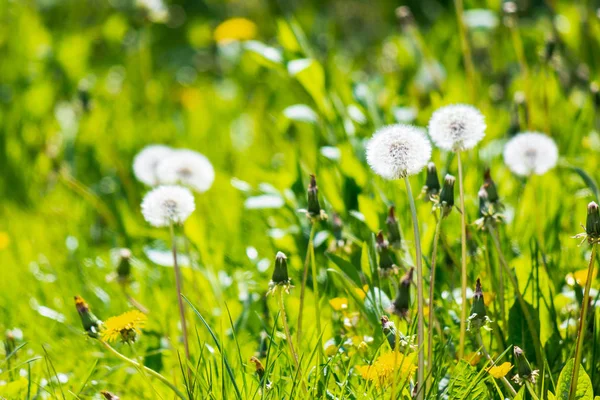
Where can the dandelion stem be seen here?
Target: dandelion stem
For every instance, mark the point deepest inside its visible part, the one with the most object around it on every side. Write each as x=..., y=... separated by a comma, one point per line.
x=531, y=391
x=582, y=324
x=420, y=297
x=311, y=237
x=132, y=300
x=528, y=317
x=487, y=355
x=463, y=274
x=286, y=328
x=311, y=249
x=179, y=299
x=143, y=368
x=436, y=238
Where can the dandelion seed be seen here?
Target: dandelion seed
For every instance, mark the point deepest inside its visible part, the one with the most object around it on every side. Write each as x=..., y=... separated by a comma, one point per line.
x=146, y=162
x=167, y=205
x=187, y=168
x=457, y=127
x=397, y=151
x=126, y=326
x=530, y=153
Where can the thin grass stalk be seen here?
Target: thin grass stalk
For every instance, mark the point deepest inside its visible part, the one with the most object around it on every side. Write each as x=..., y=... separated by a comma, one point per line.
x=179, y=299
x=531, y=390
x=311, y=237
x=420, y=297
x=466, y=49
x=436, y=238
x=463, y=273
x=311, y=250
x=286, y=327
x=143, y=368
x=582, y=324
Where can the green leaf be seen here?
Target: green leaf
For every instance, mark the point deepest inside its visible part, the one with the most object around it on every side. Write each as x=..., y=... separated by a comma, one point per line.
x=467, y=383
x=346, y=267
x=589, y=181
x=518, y=329
x=584, y=384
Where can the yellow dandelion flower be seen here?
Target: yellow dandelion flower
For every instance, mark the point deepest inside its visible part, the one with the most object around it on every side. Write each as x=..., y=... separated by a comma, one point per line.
x=361, y=293
x=235, y=29
x=500, y=371
x=488, y=298
x=4, y=240
x=125, y=326
x=472, y=358
x=383, y=370
x=580, y=277
x=339, y=303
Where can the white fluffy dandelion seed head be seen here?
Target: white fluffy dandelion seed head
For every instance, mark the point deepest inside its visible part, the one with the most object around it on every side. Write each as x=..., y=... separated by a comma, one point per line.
x=147, y=160
x=167, y=204
x=188, y=168
x=457, y=127
x=396, y=151
x=530, y=153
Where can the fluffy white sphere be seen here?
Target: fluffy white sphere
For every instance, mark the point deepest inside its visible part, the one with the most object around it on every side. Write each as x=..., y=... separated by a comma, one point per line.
x=396, y=151
x=530, y=153
x=167, y=204
x=146, y=161
x=187, y=167
x=457, y=127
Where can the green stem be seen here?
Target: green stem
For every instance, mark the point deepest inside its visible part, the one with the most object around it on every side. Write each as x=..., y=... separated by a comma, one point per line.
x=311, y=237
x=179, y=299
x=311, y=249
x=531, y=391
x=487, y=355
x=463, y=273
x=436, y=238
x=582, y=324
x=420, y=297
x=466, y=49
x=286, y=327
x=144, y=368
x=520, y=299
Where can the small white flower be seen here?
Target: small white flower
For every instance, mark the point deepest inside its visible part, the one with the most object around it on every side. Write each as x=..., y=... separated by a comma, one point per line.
x=457, y=127
x=530, y=153
x=167, y=204
x=146, y=161
x=397, y=151
x=187, y=167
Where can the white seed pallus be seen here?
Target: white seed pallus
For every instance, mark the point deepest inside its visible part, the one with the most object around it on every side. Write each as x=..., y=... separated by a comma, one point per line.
x=167, y=204
x=457, y=127
x=530, y=153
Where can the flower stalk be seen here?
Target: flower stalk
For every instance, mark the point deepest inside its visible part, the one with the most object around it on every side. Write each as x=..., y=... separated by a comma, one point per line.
x=463, y=273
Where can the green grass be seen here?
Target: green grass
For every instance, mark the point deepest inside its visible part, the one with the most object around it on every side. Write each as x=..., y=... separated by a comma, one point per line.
x=84, y=88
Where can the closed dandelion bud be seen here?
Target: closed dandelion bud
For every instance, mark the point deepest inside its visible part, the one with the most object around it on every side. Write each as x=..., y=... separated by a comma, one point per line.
x=280, y=273
x=592, y=224
x=490, y=187
x=402, y=301
x=10, y=343
x=109, y=396
x=336, y=227
x=447, y=195
x=124, y=265
x=404, y=15
x=389, y=330
x=478, y=312
x=385, y=257
x=483, y=202
x=432, y=183
x=314, y=208
x=395, y=239
x=523, y=366
x=260, y=369
x=90, y=322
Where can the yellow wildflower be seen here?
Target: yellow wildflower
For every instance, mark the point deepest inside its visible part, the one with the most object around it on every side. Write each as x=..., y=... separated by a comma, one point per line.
x=361, y=293
x=500, y=371
x=580, y=277
x=488, y=298
x=383, y=370
x=4, y=240
x=472, y=358
x=339, y=303
x=125, y=326
x=235, y=29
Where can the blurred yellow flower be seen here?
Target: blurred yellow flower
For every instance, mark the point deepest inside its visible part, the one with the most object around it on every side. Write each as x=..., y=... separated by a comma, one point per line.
x=4, y=240
x=488, y=298
x=361, y=292
x=383, y=370
x=339, y=303
x=235, y=29
x=472, y=358
x=125, y=326
x=580, y=277
x=500, y=371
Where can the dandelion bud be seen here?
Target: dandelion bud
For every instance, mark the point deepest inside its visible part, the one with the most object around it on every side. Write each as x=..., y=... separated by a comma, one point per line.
x=402, y=301
x=394, y=236
x=124, y=265
x=523, y=366
x=404, y=15
x=10, y=343
x=314, y=208
x=490, y=187
x=280, y=273
x=447, y=195
x=90, y=322
x=389, y=330
x=386, y=262
x=592, y=224
x=108, y=395
x=432, y=183
x=336, y=227
x=478, y=312
x=260, y=371
x=483, y=202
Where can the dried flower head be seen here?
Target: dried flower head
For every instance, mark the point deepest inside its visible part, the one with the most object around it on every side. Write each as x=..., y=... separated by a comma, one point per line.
x=126, y=326
x=188, y=168
x=478, y=318
x=90, y=322
x=530, y=153
x=280, y=276
x=457, y=127
x=526, y=373
x=432, y=183
x=401, y=304
x=146, y=162
x=446, y=199
x=167, y=205
x=397, y=151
